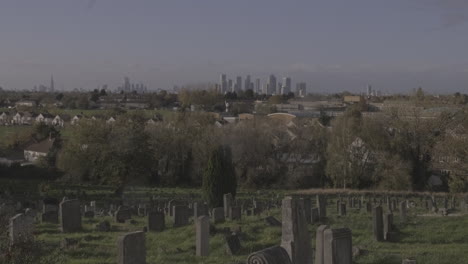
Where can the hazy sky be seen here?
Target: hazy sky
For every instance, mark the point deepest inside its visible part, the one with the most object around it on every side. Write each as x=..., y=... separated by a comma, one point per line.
x=333, y=45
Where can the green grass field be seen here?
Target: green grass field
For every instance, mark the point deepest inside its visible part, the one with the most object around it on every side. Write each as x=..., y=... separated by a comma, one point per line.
x=430, y=240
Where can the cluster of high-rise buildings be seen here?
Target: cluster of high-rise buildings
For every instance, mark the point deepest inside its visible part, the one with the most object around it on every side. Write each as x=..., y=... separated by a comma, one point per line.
x=132, y=87
x=270, y=87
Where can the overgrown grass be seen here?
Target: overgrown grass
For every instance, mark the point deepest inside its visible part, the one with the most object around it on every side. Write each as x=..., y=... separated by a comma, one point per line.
x=429, y=239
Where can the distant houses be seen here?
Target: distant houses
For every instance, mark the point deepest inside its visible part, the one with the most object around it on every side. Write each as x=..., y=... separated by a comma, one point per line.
x=37, y=150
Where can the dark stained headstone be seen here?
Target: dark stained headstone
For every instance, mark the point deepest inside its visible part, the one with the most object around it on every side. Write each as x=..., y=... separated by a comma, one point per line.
x=338, y=246
x=131, y=248
x=322, y=206
x=218, y=215
x=236, y=213
x=50, y=217
x=314, y=216
x=180, y=215
x=156, y=221
x=70, y=216
x=377, y=223
x=123, y=214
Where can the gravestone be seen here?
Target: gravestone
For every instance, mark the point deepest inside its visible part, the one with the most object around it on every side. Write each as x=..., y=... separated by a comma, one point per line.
x=272, y=255
x=89, y=214
x=131, y=248
x=342, y=209
x=202, y=230
x=322, y=206
x=103, y=226
x=236, y=213
x=122, y=214
x=315, y=218
x=70, y=216
x=319, y=244
x=21, y=229
x=388, y=226
x=200, y=209
x=233, y=245
x=218, y=215
x=377, y=223
x=227, y=202
x=295, y=238
x=181, y=215
x=338, y=246
x=156, y=221
x=50, y=217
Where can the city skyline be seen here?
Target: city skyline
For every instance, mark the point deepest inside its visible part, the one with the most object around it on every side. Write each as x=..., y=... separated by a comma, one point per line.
x=331, y=45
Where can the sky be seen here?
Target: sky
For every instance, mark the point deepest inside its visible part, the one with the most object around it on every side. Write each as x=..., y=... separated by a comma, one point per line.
x=333, y=45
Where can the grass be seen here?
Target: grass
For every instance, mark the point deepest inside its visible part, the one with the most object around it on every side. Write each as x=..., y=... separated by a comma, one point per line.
x=429, y=239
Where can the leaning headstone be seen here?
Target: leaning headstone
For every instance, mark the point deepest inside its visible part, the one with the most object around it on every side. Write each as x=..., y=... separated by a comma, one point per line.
x=21, y=229
x=377, y=223
x=227, y=201
x=156, y=221
x=272, y=255
x=131, y=248
x=295, y=236
x=338, y=246
x=233, y=245
x=218, y=215
x=202, y=228
x=319, y=244
x=70, y=216
x=180, y=215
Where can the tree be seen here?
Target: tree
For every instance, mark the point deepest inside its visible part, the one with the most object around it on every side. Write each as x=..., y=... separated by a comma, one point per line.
x=219, y=177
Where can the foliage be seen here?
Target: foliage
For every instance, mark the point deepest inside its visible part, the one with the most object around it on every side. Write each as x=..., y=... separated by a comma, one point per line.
x=219, y=177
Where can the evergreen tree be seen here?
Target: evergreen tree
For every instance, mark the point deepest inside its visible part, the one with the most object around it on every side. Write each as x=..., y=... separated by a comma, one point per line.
x=219, y=177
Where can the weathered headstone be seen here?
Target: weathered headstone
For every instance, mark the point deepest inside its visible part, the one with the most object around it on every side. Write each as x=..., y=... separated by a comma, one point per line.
x=181, y=215
x=319, y=244
x=236, y=213
x=388, y=226
x=338, y=246
x=377, y=223
x=50, y=217
x=200, y=209
x=156, y=221
x=218, y=215
x=322, y=206
x=70, y=216
x=202, y=227
x=295, y=236
x=307, y=209
x=131, y=248
x=314, y=216
x=342, y=209
x=21, y=229
x=272, y=255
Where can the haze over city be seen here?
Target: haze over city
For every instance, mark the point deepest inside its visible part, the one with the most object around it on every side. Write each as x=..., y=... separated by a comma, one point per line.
x=332, y=45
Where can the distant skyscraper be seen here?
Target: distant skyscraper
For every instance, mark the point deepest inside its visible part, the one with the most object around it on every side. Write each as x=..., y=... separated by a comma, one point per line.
x=301, y=89
x=257, y=86
x=271, y=87
x=238, y=84
x=223, y=83
x=369, y=90
x=230, y=85
x=52, y=84
x=286, y=85
x=127, y=86
x=247, y=83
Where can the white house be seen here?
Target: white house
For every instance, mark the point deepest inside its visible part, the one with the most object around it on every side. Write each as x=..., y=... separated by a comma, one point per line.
x=58, y=121
x=21, y=118
x=5, y=118
x=110, y=120
x=37, y=150
x=76, y=119
x=44, y=118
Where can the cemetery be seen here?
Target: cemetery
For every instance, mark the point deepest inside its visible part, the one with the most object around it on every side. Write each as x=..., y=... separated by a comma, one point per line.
x=151, y=225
